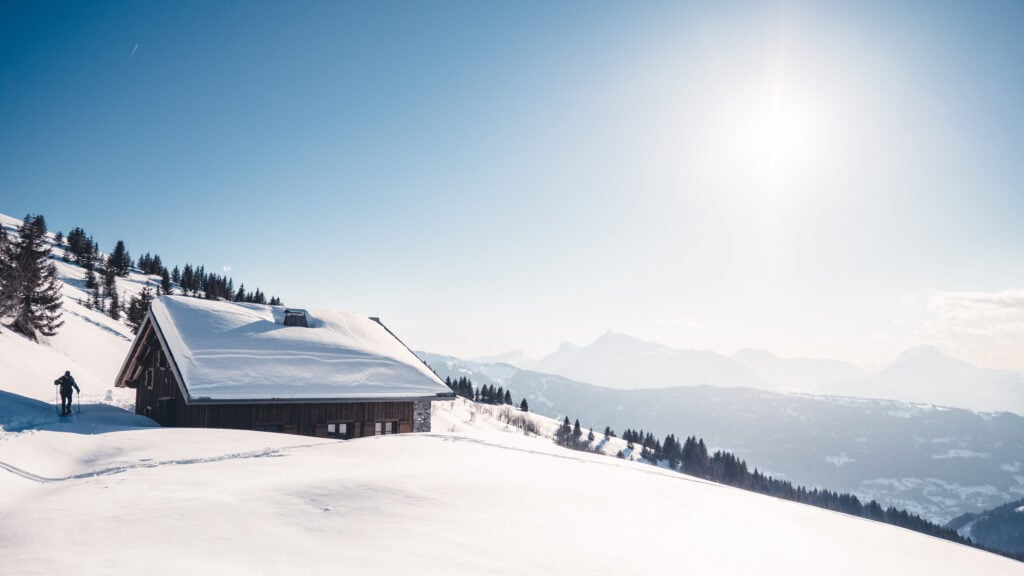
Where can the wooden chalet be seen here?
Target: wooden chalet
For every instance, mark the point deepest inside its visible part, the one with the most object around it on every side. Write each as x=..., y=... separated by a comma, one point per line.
x=215, y=364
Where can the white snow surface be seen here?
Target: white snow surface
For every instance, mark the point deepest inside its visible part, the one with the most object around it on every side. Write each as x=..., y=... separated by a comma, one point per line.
x=107, y=492
x=482, y=500
x=233, y=351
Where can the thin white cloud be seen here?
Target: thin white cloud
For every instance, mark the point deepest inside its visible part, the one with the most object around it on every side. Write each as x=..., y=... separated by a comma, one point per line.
x=134, y=48
x=986, y=325
x=226, y=268
x=992, y=311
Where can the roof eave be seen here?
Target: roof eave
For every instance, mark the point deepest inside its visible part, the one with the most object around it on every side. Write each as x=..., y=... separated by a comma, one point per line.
x=442, y=396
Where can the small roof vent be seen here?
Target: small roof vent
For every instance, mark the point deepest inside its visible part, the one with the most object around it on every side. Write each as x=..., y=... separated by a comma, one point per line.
x=295, y=317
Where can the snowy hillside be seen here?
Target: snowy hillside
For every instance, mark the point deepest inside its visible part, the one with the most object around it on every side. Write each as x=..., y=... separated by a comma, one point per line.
x=106, y=492
x=1001, y=528
x=90, y=344
x=935, y=462
x=479, y=500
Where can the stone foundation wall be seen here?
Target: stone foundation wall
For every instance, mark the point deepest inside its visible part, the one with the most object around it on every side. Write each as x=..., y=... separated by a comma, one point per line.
x=421, y=416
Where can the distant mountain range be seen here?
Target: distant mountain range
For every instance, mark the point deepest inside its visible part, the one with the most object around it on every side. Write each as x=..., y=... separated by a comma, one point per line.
x=515, y=358
x=936, y=462
x=804, y=374
x=925, y=374
x=922, y=374
x=620, y=361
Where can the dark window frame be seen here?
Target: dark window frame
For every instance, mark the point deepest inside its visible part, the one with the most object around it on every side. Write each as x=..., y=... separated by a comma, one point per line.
x=385, y=427
x=347, y=435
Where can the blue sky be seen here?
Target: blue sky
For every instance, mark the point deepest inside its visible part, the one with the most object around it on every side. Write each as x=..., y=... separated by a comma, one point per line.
x=818, y=179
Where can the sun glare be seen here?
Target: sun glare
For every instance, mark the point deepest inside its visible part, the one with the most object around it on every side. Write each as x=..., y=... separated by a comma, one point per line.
x=779, y=137
x=782, y=138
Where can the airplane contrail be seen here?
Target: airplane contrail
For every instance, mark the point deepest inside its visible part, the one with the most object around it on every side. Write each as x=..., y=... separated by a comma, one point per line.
x=133, y=51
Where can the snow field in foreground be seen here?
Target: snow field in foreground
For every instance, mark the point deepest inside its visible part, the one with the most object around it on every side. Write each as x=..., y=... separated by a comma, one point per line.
x=478, y=502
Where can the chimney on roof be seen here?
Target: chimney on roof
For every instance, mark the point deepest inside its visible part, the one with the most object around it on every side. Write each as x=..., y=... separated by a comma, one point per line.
x=295, y=317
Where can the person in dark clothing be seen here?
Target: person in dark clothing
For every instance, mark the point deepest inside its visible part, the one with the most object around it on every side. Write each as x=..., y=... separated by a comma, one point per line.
x=66, y=383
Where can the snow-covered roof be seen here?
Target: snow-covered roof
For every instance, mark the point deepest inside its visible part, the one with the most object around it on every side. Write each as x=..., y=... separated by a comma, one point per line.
x=227, y=351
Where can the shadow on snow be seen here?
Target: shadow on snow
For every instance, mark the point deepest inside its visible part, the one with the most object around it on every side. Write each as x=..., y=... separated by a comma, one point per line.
x=19, y=413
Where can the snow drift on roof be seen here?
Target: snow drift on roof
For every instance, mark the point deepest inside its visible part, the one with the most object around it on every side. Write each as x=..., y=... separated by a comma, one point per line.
x=233, y=351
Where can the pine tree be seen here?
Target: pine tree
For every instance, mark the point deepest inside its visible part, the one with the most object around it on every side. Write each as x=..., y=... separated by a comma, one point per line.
x=109, y=282
x=165, y=281
x=91, y=256
x=188, y=279
x=524, y=406
x=29, y=287
x=95, y=300
x=7, y=272
x=120, y=260
x=464, y=387
x=145, y=263
x=79, y=245
x=115, y=306
x=508, y=398
x=138, y=307
x=176, y=275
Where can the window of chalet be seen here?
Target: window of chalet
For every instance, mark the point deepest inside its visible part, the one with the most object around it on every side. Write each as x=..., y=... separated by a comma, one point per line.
x=341, y=430
x=380, y=428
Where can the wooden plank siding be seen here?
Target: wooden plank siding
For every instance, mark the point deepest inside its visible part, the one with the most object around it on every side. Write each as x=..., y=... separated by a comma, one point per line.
x=158, y=397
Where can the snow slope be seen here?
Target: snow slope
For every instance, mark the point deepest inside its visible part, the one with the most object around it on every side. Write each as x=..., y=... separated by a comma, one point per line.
x=90, y=344
x=477, y=501
x=932, y=461
x=106, y=492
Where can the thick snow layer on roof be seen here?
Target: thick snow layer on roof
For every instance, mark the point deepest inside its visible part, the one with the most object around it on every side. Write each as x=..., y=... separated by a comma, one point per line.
x=232, y=351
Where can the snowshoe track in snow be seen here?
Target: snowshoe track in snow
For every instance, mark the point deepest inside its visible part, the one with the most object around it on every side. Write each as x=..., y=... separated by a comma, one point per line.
x=265, y=453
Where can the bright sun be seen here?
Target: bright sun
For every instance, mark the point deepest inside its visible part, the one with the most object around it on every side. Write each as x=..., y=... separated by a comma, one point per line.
x=784, y=138
x=772, y=138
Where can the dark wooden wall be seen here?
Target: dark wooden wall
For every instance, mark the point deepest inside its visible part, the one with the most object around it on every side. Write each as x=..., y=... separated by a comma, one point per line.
x=158, y=397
